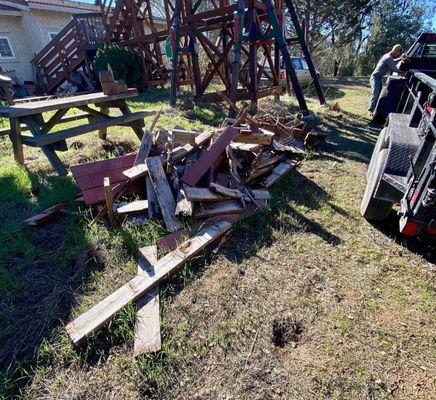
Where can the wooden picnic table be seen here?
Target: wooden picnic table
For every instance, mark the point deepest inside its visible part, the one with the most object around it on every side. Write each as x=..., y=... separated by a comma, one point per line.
x=29, y=116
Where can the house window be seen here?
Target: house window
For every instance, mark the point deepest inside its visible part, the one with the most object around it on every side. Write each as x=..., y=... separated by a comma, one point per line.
x=51, y=35
x=5, y=48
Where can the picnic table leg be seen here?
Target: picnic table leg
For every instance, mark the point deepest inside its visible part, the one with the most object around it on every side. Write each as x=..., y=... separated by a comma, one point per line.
x=17, y=140
x=51, y=155
x=136, y=125
x=102, y=133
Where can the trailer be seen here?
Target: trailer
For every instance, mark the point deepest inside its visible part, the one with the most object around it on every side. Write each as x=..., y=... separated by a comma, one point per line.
x=402, y=169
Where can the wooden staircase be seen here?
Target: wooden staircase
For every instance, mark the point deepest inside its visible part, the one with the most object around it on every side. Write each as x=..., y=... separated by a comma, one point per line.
x=66, y=52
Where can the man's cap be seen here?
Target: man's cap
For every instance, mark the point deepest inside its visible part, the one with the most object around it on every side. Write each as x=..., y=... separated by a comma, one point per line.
x=398, y=48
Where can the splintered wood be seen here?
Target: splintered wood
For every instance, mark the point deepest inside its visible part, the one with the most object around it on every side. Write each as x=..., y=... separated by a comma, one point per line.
x=216, y=178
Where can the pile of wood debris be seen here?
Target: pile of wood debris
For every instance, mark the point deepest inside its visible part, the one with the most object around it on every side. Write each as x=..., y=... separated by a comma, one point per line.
x=199, y=184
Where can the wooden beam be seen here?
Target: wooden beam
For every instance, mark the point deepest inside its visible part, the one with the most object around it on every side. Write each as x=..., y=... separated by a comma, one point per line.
x=163, y=193
x=207, y=159
x=147, y=324
x=101, y=313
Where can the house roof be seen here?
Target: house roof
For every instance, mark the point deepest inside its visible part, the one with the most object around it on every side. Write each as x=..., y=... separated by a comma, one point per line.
x=66, y=4
x=4, y=7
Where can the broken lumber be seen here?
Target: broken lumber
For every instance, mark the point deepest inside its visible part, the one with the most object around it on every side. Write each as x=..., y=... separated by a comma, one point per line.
x=44, y=216
x=102, y=312
x=176, y=154
x=134, y=207
x=279, y=171
x=222, y=207
x=193, y=174
x=163, y=193
x=147, y=324
x=182, y=137
x=206, y=195
x=232, y=193
x=263, y=137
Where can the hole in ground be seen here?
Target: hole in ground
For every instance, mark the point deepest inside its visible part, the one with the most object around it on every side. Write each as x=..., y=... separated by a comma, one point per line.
x=286, y=331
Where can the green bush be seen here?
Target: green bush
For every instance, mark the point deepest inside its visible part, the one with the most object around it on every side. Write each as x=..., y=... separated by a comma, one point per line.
x=124, y=61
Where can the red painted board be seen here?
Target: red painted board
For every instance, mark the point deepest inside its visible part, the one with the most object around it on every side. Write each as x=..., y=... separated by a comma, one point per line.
x=207, y=159
x=89, y=177
x=96, y=194
x=103, y=165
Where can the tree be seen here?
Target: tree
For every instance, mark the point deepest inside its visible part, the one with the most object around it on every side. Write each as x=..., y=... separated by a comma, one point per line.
x=391, y=23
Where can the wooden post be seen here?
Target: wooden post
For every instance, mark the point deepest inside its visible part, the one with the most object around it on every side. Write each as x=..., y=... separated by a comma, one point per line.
x=109, y=199
x=102, y=133
x=17, y=140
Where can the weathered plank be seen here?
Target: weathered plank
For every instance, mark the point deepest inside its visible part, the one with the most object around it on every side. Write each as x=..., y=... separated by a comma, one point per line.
x=196, y=194
x=82, y=129
x=279, y=171
x=193, y=174
x=144, y=148
x=182, y=137
x=102, y=312
x=45, y=215
x=153, y=206
x=226, y=192
x=31, y=108
x=109, y=199
x=222, y=207
x=147, y=324
x=134, y=207
x=262, y=137
x=163, y=193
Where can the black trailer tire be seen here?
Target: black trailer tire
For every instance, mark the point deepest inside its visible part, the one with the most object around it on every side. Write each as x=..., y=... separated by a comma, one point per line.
x=372, y=208
x=382, y=143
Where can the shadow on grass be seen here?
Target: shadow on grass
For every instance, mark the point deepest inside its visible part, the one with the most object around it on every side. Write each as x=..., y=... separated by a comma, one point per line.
x=41, y=268
x=424, y=247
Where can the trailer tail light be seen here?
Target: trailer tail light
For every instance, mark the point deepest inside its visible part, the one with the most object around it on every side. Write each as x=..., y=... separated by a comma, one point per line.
x=408, y=227
x=414, y=197
x=282, y=74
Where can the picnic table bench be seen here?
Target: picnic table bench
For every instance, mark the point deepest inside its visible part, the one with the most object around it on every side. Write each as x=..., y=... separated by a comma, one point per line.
x=29, y=116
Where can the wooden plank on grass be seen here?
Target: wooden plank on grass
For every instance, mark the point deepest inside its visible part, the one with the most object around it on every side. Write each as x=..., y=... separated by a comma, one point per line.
x=193, y=174
x=101, y=313
x=163, y=193
x=147, y=325
x=279, y=171
x=45, y=215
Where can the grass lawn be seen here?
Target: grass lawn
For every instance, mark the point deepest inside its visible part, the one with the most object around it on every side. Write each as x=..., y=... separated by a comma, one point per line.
x=308, y=301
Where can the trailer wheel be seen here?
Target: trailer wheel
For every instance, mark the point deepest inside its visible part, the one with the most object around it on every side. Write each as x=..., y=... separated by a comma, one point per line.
x=372, y=208
x=382, y=143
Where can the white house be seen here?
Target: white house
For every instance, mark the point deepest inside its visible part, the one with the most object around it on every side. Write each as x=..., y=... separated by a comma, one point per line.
x=26, y=26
